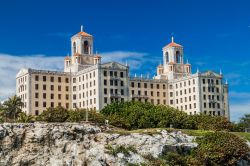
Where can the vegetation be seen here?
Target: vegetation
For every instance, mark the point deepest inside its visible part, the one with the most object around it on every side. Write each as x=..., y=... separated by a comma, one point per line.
x=121, y=149
x=137, y=115
x=243, y=123
x=220, y=148
x=11, y=108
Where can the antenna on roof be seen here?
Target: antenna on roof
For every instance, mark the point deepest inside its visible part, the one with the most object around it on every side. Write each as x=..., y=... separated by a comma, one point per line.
x=81, y=28
x=172, y=34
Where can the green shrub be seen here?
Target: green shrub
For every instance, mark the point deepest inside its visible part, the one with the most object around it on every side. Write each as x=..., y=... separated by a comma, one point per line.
x=58, y=114
x=23, y=118
x=220, y=148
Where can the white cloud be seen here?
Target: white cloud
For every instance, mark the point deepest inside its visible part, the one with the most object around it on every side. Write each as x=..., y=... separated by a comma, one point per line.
x=11, y=64
x=239, y=109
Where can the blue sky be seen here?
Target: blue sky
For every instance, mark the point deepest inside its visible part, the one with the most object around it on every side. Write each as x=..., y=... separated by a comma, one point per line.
x=215, y=35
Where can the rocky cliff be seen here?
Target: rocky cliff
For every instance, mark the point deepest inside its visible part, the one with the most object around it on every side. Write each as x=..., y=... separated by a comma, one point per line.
x=83, y=144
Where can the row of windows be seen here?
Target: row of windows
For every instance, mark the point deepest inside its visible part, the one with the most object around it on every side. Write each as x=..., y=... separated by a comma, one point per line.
x=211, y=89
x=182, y=84
x=22, y=80
x=83, y=86
x=210, y=81
x=113, y=73
x=85, y=103
x=114, y=91
x=212, y=105
x=22, y=88
x=146, y=93
x=186, y=107
x=83, y=94
x=185, y=99
x=51, y=96
x=145, y=85
x=212, y=113
x=85, y=76
x=211, y=97
x=113, y=82
x=185, y=91
x=59, y=88
x=51, y=104
x=52, y=78
x=158, y=101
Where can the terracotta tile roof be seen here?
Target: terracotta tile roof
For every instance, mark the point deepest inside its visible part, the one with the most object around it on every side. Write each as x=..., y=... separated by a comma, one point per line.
x=67, y=58
x=173, y=44
x=77, y=54
x=98, y=56
x=84, y=34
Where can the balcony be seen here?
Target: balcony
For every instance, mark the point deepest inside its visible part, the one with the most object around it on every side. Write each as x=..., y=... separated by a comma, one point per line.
x=139, y=96
x=113, y=95
x=211, y=101
x=115, y=78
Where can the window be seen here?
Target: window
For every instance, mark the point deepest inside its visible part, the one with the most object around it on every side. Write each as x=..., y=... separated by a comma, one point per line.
x=44, y=104
x=67, y=80
x=74, y=97
x=74, y=80
x=121, y=74
x=205, y=105
x=37, y=78
x=67, y=88
x=105, y=91
x=217, y=82
x=52, y=104
x=74, y=88
x=105, y=73
x=122, y=84
x=36, y=104
x=204, y=81
x=158, y=94
x=44, y=87
x=105, y=82
x=122, y=92
x=132, y=84
x=36, y=112
x=67, y=97
x=204, y=89
x=59, y=96
x=193, y=81
x=44, y=95
x=164, y=86
x=145, y=85
x=171, y=102
x=51, y=96
x=51, y=79
x=51, y=87
x=105, y=100
x=151, y=86
x=36, y=86
x=44, y=78
x=115, y=73
x=111, y=82
x=59, y=79
x=59, y=88
x=158, y=86
x=111, y=73
x=171, y=94
x=36, y=95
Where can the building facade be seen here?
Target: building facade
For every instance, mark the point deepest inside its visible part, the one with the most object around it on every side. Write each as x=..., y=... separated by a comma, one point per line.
x=88, y=83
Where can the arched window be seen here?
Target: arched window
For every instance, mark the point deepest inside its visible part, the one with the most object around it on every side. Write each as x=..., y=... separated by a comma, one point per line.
x=178, y=57
x=74, y=47
x=86, y=47
x=167, y=57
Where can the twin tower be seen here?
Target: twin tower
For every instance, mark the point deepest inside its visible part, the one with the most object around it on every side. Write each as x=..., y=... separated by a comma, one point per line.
x=82, y=56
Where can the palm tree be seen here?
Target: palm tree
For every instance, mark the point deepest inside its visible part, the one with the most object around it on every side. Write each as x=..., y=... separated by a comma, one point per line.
x=12, y=107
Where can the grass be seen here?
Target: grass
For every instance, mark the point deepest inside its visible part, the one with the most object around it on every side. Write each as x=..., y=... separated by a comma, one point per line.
x=152, y=131
x=243, y=135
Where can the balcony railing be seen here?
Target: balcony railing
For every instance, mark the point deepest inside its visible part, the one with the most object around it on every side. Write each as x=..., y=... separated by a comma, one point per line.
x=114, y=95
x=139, y=96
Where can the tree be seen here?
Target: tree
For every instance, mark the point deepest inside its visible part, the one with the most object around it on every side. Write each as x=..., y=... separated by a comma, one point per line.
x=12, y=107
x=220, y=148
x=58, y=114
x=23, y=118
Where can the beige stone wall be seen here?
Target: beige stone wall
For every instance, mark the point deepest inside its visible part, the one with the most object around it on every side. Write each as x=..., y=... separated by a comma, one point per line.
x=146, y=90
